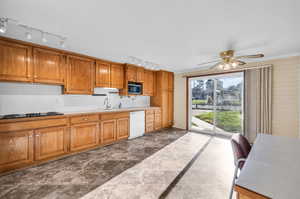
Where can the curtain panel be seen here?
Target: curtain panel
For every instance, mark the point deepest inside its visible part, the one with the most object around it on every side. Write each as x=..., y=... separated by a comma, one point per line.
x=258, y=102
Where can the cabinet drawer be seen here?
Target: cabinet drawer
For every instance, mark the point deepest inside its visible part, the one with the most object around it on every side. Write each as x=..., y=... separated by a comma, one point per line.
x=157, y=111
x=84, y=118
x=34, y=124
x=151, y=111
x=149, y=127
x=150, y=117
x=111, y=116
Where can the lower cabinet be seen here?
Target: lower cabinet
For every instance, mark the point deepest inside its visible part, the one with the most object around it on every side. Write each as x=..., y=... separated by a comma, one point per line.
x=153, y=120
x=157, y=119
x=16, y=149
x=84, y=136
x=122, y=128
x=108, y=131
x=50, y=142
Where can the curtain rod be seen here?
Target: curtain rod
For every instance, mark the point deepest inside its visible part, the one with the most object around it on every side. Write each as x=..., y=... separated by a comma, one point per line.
x=229, y=71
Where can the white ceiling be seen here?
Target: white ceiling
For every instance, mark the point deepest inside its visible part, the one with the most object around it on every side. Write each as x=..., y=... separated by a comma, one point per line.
x=177, y=34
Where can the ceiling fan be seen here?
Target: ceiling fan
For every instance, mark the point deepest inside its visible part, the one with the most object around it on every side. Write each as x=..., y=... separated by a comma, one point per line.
x=228, y=61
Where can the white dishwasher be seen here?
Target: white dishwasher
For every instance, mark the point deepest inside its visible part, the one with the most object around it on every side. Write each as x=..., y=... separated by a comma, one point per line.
x=137, y=124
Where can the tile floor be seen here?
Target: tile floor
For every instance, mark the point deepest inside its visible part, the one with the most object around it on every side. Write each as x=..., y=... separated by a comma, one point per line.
x=158, y=159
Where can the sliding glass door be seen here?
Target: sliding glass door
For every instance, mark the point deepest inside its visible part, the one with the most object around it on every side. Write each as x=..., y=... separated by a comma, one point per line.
x=216, y=104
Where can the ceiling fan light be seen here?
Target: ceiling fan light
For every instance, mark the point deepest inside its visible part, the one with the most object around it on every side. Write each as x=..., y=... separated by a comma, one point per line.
x=226, y=67
x=234, y=64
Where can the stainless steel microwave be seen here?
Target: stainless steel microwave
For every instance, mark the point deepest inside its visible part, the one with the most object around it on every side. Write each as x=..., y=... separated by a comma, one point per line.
x=135, y=88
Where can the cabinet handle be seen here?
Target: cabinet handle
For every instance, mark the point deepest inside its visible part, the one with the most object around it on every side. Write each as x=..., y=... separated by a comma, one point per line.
x=37, y=135
x=85, y=119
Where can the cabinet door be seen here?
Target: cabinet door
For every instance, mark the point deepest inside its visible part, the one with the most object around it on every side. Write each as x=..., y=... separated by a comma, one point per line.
x=84, y=136
x=15, y=62
x=80, y=75
x=117, y=76
x=50, y=142
x=148, y=86
x=122, y=128
x=16, y=149
x=140, y=74
x=49, y=66
x=151, y=83
x=157, y=119
x=170, y=81
x=103, y=74
x=149, y=121
x=164, y=109
x=131, y=72
x=108, y=131
x=170, y=108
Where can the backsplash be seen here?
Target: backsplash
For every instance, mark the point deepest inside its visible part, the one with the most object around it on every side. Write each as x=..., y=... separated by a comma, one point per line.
x=25, y=98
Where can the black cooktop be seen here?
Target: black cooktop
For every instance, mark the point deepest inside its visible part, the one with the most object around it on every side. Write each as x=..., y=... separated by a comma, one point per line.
x=13, y=116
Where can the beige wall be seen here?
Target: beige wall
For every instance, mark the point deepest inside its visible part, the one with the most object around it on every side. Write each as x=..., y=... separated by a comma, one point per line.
x=286, y=97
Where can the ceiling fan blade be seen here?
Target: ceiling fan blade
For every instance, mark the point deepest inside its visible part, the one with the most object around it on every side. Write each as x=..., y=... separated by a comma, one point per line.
x=209, y=62
x=250, y=56
x=240, y=62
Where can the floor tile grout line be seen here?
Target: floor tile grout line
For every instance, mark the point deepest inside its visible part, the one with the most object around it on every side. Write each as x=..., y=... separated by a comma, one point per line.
x=185, y=169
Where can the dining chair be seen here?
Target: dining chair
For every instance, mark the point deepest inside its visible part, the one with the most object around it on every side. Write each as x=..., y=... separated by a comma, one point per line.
x=241, y=148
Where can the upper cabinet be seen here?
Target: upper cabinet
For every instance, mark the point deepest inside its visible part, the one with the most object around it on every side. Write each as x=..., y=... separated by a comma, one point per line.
x=134, y=73
x=49, y=66
x=103, y=74
x=131, y=73
x=117, y=76
x=148, y=86
x=140, y=76
x=170, y=81
x=80, y=75
x=15, y=62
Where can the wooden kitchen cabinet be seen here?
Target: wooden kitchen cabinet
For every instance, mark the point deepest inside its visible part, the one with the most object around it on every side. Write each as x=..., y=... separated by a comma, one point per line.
x=48, y=66
x=140, y=75
x=15, y=62
x=103, y=74
x=157, y=119
x=131, y=73
x=50, y=142
x=164, y=97
x=122, y=128
x=170, y=108
x=148, y=86
x=83, y=136
x=80, y=75
x=108, y=131
x=117, y=76
x=16, y=149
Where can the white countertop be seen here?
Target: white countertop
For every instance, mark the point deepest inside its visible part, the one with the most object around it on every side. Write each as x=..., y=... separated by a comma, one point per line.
x=273, y=167
x=83, y=111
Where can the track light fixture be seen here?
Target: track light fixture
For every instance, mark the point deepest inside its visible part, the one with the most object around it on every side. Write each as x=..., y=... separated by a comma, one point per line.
x=140, y=62
x=3, y=25
x=43, y=37
x=4, y=22
x=28, y=34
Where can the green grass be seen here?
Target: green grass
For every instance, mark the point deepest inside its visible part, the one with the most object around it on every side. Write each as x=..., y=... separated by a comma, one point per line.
x=199, y=101
x=227, y=120
x=194, y=124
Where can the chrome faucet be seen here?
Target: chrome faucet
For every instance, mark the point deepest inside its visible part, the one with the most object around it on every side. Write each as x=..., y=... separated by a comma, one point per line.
x=107, y=103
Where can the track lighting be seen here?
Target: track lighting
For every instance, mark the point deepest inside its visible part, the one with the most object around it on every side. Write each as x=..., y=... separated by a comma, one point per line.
x=140, y=62
x=29, y=31
x=62, y=42
x=3, y=25
x=44, y=38
x=28, y=34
